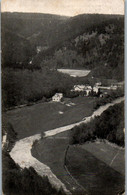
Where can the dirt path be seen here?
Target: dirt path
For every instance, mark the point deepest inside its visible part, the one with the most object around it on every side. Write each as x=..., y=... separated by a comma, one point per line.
x=21, y=152
x=98, y=112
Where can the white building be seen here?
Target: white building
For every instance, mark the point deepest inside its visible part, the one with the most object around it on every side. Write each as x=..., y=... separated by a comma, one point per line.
x=88, y=91
x=98, y=84
x=114, y=87
x=95, y=89
x=117, y=85
x=79, y=88
x=57, y=97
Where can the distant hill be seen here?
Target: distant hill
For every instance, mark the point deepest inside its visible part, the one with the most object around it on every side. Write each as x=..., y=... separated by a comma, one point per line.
x=26, y=30
x=98, y=46
x=91, y=41
x=15, y=49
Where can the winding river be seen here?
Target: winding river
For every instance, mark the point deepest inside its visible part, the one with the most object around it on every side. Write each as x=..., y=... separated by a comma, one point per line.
x=21, y=152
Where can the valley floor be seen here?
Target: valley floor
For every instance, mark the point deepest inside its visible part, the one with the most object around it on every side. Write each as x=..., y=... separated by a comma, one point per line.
x=42, y=117
x=50, y=152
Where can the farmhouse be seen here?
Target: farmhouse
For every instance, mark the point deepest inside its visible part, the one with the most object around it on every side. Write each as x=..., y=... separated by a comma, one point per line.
x=81, y=88
x=78, y=88
x=95, y=89
x=98, y=84
x=118, y=85
x=87, y=88
x=57, y=97
x=88, y=91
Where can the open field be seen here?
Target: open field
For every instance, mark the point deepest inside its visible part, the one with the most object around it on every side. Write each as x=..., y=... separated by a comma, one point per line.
x=96, y=176
x=90, y=168
x=51, y=152
x=110, y=154
x=74, y=72
x=41, y=117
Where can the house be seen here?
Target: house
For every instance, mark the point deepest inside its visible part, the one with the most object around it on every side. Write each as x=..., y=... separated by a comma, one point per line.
x=88, y=91
x=95, y=89
x=88, y=87
x=114, y=86
x=117, y=85
x=79, y=88
x=82, y=88
x=98, y=84
x=120, y=84
x=57, y=97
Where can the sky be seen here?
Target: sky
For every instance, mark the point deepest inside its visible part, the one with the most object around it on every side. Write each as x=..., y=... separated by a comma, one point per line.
x=64, y=7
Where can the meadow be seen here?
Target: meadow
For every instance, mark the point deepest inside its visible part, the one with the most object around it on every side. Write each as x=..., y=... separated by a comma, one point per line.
x=92, y=173
x=41, y=117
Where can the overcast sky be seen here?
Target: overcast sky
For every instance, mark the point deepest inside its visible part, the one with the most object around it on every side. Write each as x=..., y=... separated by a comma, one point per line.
x=64, y=7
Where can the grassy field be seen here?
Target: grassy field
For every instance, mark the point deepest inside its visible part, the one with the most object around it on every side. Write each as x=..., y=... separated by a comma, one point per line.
x=51, y=151
x=92, y=173
x=108, y=153
x=88, y=164
x=41, y=117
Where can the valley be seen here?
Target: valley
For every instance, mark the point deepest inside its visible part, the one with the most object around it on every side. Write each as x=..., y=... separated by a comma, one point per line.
x=49, y=143
x=63, y=104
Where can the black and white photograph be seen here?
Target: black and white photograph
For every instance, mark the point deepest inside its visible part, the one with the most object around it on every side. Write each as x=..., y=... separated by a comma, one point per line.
x=63, y=97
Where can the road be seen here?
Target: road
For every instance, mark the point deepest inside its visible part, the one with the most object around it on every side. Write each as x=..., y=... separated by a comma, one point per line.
x=21, y=152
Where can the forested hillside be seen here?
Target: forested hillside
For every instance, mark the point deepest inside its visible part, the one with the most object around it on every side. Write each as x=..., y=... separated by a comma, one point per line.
x=100, y=49
x=35, y=45
x=24, y=86
x=91, y=41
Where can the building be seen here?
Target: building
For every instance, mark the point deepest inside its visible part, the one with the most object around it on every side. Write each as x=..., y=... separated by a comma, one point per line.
x=88, y=91
x=79, y=88
x=57, y=97
x=82, y=88
x=95, y=89
x=98, y=84
x=114, y=87
x=118, y=84
x=86, y=88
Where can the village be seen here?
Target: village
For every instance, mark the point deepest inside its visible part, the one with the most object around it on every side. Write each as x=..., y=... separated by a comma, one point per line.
x=97, y=90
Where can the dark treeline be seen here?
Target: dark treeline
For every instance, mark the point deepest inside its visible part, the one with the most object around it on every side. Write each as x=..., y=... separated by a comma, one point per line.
x=24, y=86
x=110, y=126
x=87, y=41
x=21, y=181
x=24, y=181
x=101, y=49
